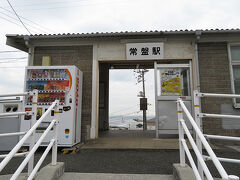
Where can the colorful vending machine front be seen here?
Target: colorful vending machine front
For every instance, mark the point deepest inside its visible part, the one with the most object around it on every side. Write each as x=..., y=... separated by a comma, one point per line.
x=56, y=82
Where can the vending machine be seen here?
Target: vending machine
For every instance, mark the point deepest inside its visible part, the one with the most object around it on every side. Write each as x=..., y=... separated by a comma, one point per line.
x=63, y=83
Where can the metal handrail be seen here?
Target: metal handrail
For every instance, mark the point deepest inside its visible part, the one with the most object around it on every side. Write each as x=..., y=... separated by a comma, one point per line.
x=25, y=161
x=219, y=116
x=198, y=154
x=222, y=159
x=31, y=134
x=13, y=114
x=16, y=155
x=229, y=138
x=42, y=159
x=182, y=127
x=25, y=137
x=194, y=167
x=18, y=94
x=199, y=94
x=12, y=134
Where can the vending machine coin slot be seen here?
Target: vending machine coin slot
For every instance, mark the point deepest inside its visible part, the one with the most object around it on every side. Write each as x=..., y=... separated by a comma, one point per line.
x=52, y=112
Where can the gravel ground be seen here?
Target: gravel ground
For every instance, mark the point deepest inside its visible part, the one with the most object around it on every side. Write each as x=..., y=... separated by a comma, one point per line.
x=126, y=161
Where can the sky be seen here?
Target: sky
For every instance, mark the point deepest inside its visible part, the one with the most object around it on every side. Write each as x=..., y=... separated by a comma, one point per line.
x=123, y=89
x=81, y=16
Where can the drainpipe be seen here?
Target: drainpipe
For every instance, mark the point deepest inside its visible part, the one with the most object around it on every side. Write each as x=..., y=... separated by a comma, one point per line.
x=30, y=50
x=198, y=120
x=198, y=34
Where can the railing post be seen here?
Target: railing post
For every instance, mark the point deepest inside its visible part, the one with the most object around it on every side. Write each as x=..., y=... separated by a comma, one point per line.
x=55, y=134
x=196, y=100
x=181, y=133
x=33, y=121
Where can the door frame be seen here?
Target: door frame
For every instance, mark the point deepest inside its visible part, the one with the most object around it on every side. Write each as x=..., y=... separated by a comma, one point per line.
x=158, y=98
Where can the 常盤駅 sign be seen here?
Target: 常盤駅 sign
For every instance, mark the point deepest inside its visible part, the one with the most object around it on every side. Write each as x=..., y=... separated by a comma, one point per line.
x=137, y=51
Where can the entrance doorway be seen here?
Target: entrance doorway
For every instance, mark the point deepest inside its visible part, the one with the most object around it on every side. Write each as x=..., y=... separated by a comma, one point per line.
x=171, y=79
x=119, y=104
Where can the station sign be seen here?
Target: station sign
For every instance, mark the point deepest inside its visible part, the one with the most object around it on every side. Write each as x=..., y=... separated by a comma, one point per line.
x=138, y=51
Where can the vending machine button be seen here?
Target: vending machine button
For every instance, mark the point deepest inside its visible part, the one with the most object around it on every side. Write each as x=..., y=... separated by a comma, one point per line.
x=67, y=131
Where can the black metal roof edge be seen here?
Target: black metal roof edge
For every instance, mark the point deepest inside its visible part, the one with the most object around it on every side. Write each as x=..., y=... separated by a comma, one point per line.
x=128, y=33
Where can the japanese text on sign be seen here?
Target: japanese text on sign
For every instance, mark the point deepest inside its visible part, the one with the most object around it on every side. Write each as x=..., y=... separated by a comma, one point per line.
x=136, y=51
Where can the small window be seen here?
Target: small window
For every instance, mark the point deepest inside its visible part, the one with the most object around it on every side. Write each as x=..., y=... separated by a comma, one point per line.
x=235, y=53
x=235, y=66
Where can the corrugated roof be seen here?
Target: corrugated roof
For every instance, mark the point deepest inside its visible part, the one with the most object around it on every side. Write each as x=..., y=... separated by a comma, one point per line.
x=129, y=33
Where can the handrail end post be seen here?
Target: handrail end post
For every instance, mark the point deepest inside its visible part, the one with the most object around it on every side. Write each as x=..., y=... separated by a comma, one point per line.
x=55, y=134
x=34, y=95
x=182, y=153
x=181, y=133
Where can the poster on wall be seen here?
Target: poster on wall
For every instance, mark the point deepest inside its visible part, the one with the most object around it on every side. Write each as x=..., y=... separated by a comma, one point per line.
x=170, y=83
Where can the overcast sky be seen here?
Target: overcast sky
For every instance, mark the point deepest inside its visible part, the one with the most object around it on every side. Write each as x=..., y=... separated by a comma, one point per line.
x=77, y=16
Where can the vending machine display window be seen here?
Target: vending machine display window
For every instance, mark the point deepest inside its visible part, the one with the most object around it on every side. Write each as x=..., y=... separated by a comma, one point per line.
x=52, y=84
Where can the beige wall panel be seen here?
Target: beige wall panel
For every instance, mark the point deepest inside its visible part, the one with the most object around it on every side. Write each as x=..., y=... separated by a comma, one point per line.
x=111, y=51
x=172, y=50
x=178, y=50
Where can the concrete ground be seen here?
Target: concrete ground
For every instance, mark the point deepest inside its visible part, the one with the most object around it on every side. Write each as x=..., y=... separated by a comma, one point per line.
x=131, y=143
x=125, y=161
x=101, y=176
x=128, y=161
x=133, y=139
x=134, y=134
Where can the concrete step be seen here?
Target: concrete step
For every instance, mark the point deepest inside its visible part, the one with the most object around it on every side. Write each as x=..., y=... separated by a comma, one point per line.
x=23, y=176
x=108, y=176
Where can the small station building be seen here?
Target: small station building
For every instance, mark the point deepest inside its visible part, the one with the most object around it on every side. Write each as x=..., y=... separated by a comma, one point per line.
x=204, y=60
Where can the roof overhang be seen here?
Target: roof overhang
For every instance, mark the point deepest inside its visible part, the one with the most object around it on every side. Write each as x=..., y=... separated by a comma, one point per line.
x=23, y=42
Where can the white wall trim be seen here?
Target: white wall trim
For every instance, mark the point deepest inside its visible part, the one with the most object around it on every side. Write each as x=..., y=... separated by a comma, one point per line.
x=94, y=113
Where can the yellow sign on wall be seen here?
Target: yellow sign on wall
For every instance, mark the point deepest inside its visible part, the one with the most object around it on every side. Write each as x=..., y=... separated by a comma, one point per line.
x=170, y=83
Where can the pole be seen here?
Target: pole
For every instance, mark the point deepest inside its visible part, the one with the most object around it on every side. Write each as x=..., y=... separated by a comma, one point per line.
x=181, y=133
x=156, y=101
x=144, y=111
x=55, y=131
x=32, y=137
x=196, y=100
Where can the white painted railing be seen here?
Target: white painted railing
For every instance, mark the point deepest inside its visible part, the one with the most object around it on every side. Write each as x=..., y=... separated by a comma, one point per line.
x=197, y=146
x=29, y=156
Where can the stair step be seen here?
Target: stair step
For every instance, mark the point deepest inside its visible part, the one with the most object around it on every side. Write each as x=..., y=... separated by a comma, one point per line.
x=109, y=176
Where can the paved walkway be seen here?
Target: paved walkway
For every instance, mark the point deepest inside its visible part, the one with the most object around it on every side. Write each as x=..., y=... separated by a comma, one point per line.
x=101, y=176
x=135, y=139
x=131, y=143
x=134, y=134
